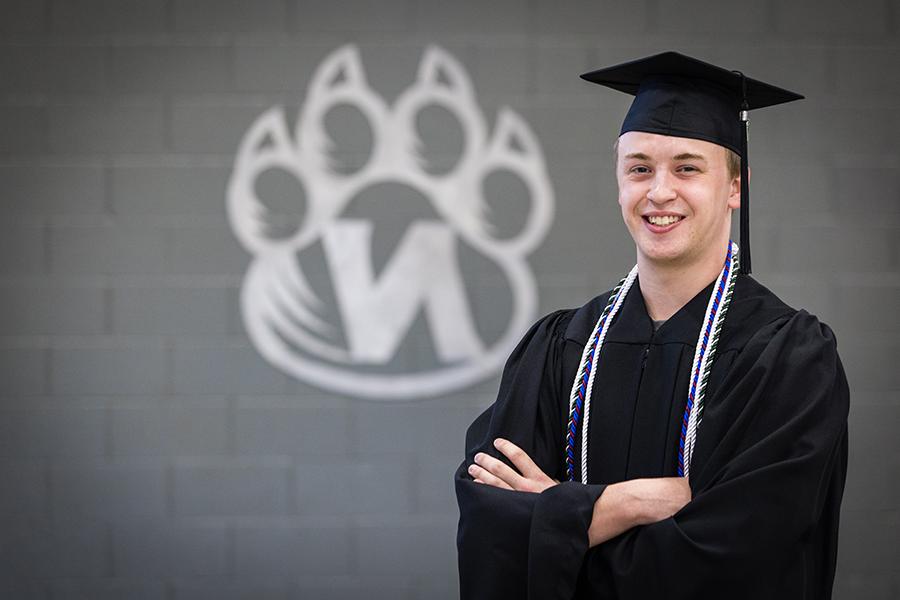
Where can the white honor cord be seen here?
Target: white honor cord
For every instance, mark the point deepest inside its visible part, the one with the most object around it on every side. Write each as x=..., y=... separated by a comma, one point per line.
x=709, y=355
x=704, y=355
x=632, y=275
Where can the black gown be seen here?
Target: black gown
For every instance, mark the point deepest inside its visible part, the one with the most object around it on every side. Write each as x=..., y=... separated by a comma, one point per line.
x=767, y=474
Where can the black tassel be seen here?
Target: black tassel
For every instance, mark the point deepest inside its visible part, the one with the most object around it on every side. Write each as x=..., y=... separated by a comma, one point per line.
x=745, y=182
x=745, y=201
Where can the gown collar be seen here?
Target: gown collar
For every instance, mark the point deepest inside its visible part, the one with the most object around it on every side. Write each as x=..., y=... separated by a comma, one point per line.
x=633, y=324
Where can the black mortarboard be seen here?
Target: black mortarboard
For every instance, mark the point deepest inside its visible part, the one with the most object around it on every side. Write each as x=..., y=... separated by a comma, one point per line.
x=681, y=96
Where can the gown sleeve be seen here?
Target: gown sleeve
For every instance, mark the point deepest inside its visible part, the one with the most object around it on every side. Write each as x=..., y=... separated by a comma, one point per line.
x=772, y=478
x=511, y=543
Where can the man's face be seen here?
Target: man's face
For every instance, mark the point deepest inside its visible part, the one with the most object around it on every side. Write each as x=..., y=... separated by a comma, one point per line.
x=676, y=197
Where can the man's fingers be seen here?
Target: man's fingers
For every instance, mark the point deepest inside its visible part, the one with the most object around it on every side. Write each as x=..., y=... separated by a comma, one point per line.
x=500, y=469
x=483, y=476
x=497, y=473
x=520, y=458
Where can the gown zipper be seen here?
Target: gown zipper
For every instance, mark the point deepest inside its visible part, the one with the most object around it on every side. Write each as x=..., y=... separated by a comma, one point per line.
x=640, y=381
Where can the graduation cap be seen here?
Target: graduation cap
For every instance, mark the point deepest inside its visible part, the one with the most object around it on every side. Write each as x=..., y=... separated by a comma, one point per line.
x=681, y=96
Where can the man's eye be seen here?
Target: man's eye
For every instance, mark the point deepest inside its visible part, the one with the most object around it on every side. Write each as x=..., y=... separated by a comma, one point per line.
x=639, y=170
x=687, y=168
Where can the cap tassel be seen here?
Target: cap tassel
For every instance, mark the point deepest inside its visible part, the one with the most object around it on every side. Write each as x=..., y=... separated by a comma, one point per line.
x=745, y=182
x=745, y=199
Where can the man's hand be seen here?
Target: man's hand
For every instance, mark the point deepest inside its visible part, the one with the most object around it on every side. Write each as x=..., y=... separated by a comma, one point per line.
x=622, y=505
x=491, y=471
x=635, y=502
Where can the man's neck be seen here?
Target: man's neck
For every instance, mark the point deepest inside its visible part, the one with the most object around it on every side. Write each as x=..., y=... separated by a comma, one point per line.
x=666, y=288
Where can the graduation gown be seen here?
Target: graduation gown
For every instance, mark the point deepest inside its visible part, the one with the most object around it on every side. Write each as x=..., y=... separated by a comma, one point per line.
x=767, y=474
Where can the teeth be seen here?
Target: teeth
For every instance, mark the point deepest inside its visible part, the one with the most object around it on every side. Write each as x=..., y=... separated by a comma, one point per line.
x=663, y=221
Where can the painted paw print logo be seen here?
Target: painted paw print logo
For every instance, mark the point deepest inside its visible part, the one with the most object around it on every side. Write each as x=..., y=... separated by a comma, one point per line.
x=393, y=273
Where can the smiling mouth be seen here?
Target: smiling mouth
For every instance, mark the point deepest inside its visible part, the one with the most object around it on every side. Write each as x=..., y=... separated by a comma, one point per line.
x=664, y=221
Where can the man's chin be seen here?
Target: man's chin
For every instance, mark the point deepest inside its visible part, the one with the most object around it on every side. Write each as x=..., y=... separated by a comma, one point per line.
x=663, y=254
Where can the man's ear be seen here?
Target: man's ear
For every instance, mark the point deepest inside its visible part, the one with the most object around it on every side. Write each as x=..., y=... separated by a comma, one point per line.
x=734, y=197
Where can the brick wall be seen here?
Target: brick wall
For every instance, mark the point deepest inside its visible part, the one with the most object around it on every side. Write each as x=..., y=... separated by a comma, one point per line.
x=146, y=449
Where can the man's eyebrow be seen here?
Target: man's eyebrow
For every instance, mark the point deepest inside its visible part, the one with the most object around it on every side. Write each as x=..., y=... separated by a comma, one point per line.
x=682, y=156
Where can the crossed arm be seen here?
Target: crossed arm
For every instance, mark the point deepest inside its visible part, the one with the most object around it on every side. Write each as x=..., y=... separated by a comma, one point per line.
x=622, y=505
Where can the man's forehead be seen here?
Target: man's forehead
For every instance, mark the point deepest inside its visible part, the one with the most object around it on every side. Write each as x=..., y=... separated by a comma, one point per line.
x=657, y=145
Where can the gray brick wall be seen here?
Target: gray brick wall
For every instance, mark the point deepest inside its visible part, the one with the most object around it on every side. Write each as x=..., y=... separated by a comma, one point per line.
x=51, y=188
x=147, y=451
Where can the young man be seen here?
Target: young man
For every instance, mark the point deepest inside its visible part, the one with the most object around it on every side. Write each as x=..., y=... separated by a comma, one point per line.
x=686, y=433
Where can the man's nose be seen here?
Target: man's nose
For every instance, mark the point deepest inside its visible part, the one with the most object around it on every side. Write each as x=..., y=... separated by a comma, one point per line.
x=661, y=187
